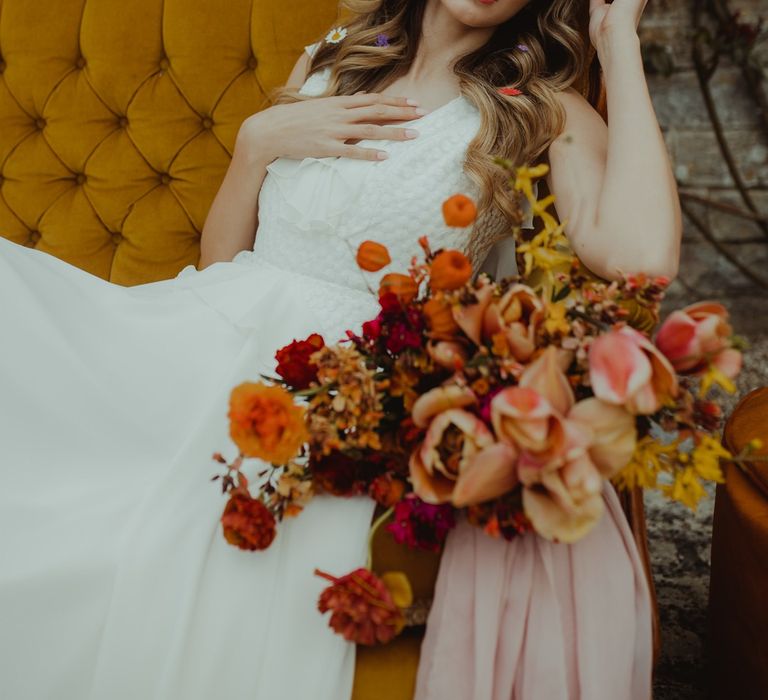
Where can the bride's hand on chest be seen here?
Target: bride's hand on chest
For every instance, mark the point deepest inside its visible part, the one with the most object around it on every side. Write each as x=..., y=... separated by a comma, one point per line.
x=330, y=127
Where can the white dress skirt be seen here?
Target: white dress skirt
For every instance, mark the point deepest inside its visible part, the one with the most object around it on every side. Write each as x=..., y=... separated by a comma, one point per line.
x=115, y=580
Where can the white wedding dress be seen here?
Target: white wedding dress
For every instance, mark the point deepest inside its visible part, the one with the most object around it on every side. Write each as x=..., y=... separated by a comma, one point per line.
x=115, y=580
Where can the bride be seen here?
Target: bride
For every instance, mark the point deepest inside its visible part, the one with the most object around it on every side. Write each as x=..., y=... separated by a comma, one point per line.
x=115, y=581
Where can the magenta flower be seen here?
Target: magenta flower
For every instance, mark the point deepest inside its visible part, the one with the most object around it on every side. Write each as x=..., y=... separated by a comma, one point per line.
x=420, y=525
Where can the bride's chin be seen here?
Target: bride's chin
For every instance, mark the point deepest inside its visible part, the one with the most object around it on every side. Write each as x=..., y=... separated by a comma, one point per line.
x=483, y=13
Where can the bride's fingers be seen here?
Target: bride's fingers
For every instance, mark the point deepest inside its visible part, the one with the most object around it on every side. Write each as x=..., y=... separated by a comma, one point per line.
x=373, y=131
x=364, y=99
x=595, y=4
x=384, y=113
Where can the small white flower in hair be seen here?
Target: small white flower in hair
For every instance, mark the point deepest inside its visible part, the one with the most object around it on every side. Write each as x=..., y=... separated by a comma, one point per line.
x=336, y=35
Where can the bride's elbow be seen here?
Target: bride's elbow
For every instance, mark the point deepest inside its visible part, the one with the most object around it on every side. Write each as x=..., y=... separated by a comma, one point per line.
x=648, y=260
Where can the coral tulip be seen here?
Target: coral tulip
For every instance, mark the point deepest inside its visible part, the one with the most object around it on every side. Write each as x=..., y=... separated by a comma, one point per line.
x=469, y=317
x=517, y=315
x=628, y=370
x=696, y=336
x=546, y=376
x=453, y=439
x=524, y=418
x=614, y=434
x=440, y=399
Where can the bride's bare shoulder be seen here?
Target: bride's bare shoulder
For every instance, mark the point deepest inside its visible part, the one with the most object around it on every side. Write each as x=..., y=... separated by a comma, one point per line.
x=300, y=70
x=581, y=120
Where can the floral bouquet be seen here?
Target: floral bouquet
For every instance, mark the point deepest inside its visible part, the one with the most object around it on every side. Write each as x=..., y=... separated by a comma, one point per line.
x=505, y=402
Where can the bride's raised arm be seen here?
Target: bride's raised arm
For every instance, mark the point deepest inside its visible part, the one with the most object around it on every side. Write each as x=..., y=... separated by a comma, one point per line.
x=615, y=184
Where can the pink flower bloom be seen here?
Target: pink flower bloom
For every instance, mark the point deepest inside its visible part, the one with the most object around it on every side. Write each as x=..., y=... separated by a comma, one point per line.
x=469, y=317
x=523, y=418
x=517, y=315
x=453, y=439
x=440, y=399
x=626, y=369
x=698, y=335
x=547, y=377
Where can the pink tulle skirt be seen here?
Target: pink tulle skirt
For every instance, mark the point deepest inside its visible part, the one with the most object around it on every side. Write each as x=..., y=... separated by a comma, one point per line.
x=533, y=620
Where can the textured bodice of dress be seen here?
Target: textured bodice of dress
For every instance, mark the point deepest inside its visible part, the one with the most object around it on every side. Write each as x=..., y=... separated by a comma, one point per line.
x=314, y=212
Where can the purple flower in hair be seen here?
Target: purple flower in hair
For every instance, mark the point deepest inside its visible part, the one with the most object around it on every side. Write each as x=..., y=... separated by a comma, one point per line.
x=382, y=40
x=523, y=47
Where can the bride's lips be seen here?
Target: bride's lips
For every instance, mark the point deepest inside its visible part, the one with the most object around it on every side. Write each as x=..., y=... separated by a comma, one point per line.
x=486, y=2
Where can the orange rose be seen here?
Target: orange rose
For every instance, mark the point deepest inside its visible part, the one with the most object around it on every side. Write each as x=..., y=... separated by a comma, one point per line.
x=402, y=286
x=459, y=211
x=265, y=423
x=372, y=256
x=449, y=270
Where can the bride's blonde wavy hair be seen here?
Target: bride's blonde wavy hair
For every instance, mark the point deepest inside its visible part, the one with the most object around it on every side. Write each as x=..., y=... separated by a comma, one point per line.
x=555, y=56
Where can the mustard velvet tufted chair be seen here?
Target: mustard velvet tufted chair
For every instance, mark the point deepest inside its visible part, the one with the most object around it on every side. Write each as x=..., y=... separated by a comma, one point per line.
x=117, y=124
x=118, y=119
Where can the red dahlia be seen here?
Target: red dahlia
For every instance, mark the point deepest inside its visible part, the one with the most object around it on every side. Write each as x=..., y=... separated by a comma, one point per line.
x=248, y=523
x=293, y=361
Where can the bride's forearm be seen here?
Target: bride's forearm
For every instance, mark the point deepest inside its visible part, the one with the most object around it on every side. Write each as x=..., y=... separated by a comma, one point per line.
x=233, y=217
x=635, y=225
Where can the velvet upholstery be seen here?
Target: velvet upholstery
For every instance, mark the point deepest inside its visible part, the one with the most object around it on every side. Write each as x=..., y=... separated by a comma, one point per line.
x=118, y=119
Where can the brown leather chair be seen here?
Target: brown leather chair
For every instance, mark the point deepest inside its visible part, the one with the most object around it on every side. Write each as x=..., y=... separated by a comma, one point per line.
x=738, y=594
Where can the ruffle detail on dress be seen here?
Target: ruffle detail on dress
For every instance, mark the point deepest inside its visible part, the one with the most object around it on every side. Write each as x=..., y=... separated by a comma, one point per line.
x=315, y=201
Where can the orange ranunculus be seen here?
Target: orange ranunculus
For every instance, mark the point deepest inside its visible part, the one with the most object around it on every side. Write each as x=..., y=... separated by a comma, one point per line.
x=372, y=256
x=696, y=336
x=402, y=286
x=248, y=523
x=459, y=211
x=439, y=316
x=265, y=423
x=517, y=316
x=626, y=369
x=454, y=438
x=449, y=270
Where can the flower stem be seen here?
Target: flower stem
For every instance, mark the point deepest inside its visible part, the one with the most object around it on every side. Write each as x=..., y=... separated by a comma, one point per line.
x=374, y=529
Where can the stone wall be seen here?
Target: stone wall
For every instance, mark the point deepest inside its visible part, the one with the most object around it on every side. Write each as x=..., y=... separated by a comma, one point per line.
x=700, y=168
x=679, y=539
